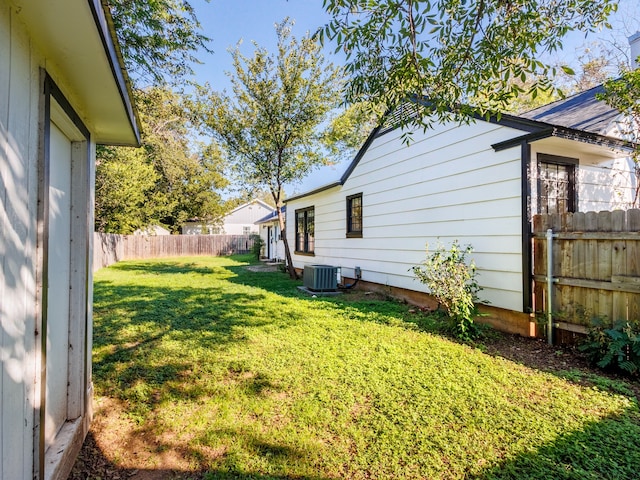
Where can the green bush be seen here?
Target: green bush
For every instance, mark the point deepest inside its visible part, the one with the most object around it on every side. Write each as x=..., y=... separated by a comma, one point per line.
x=452, y=281
x=616, y=346
x=256, y=248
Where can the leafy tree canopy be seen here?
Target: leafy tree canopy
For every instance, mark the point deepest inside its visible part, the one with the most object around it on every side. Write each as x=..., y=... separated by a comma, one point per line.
x=158, y=39
x=459, y=55
x=623, y=94
x=277, y=124
x=167, y=180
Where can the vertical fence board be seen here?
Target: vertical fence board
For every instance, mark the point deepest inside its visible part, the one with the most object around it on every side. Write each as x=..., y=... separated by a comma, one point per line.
x=111, y=248
x=611, y=263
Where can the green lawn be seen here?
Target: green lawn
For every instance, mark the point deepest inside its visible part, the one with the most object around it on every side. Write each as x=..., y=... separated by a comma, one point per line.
x=241, y=376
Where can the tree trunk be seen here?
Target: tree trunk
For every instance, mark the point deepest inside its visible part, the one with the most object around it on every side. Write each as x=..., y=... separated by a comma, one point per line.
x=287, y=251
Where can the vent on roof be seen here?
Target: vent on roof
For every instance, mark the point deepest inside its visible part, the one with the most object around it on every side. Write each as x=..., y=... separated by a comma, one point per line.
x=320, y=278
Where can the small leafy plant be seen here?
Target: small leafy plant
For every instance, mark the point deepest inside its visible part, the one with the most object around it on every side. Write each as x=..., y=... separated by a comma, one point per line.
x=616, y=346
x=452, y=281
x=256, y=248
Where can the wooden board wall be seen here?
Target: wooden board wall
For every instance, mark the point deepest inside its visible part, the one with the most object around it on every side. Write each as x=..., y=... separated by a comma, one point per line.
x=596, y=261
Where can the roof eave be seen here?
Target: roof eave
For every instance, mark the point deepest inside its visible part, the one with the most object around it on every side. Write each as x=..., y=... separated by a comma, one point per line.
x=78, y=44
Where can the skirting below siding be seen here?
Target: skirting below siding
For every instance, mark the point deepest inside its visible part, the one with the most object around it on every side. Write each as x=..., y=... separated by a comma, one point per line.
x=507, y=321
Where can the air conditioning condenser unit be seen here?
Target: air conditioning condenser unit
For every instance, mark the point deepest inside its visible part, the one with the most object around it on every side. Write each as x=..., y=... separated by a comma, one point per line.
x=320, y=278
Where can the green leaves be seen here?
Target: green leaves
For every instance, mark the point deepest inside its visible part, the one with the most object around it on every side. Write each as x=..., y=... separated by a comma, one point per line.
x=271, y=127
x=623, y=93
x=452, y=282
x=457, y=54
x=169, y=180
x=158, y=39
x=615, y=347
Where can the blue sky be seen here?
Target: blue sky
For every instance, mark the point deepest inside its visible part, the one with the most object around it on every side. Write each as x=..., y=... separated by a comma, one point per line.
x=228, y=21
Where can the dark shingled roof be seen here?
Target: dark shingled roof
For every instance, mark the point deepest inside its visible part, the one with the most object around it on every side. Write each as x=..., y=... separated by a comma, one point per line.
x=272, y=216
x=580, y=112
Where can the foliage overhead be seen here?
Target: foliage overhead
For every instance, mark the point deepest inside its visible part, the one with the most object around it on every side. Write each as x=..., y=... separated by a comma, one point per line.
x=622, y=93
x=459, y=55
x=164, y=181
x=273, y=127
x=269, y=126
x=158, y=39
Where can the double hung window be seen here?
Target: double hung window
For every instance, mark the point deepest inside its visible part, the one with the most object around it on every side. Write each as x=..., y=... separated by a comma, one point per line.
x=305, y=231
x=354, y=216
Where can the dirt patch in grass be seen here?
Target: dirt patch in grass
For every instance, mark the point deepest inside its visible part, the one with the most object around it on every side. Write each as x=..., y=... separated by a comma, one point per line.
x=119, y=449
x=264, y=268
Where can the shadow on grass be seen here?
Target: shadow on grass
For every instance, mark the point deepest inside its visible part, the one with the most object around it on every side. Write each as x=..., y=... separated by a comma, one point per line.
x=381, y=309
x=135, y=321
x=94, y=463
x=607, y=449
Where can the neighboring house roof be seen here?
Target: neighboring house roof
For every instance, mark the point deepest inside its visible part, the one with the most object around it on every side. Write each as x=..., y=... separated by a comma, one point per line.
x=248, y=204
x=91, y=63
x=579, y=117
x=272, y=216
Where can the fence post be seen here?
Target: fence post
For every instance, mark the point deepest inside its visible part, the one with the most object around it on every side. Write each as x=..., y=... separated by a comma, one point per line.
x=549, y=237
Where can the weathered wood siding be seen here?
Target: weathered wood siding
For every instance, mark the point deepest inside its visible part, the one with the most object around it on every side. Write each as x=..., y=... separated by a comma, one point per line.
x=448, y=184
x=596, y=261
x=110, y=248
x=19, y=94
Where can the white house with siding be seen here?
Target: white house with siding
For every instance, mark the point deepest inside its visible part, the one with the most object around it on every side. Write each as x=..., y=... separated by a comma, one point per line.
x=239, y=221
x=62, y=90
x=478, y=183
x=269, y=230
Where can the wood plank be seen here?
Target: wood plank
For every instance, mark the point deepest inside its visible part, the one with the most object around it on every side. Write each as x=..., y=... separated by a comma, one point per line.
x=593, y=235
x=579, y=222
x=619, y=299
x=5, y=226
x=618, y=220
x=572, y=327
x=622, y=286
x=604, y=247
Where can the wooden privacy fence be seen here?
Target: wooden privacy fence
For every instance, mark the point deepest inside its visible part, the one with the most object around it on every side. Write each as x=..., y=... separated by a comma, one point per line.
x=109, y=248
x=595, y=267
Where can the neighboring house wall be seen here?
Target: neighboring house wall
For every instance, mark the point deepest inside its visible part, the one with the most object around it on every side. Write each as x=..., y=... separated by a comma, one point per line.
x=240, y=221
x=197, y=228
x=448, y=184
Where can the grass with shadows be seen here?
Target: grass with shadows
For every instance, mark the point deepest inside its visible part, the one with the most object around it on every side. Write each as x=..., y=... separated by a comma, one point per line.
x=239, y=375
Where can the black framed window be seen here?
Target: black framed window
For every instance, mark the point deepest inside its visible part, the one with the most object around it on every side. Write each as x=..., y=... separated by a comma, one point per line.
x=556, y=184
x=305, y=230
x=354, y=215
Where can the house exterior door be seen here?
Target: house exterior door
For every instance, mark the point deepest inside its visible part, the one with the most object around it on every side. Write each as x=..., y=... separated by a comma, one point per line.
x=58, y=281
x=269, y=242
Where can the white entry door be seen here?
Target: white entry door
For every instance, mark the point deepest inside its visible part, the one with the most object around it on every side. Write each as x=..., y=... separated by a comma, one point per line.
x=59, y=260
